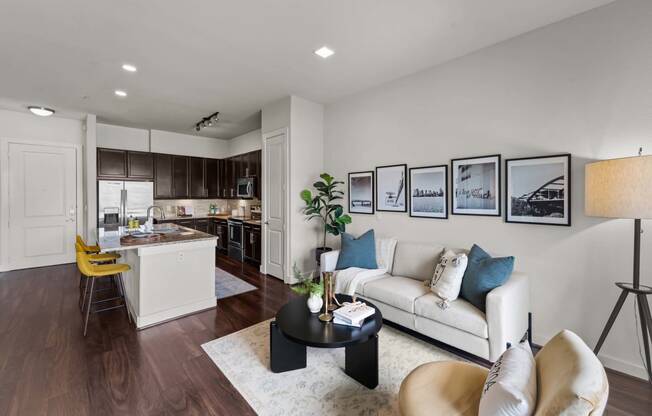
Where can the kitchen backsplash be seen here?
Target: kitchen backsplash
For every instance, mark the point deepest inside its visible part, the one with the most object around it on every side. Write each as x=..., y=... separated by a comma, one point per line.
x=200, y=206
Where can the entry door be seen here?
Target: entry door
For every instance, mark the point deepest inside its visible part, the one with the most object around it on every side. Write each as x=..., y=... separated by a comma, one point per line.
x=275, y=204
x=42, y=205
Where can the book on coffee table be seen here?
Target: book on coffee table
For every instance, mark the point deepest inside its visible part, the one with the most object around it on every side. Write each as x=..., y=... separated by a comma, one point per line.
x=353, y=314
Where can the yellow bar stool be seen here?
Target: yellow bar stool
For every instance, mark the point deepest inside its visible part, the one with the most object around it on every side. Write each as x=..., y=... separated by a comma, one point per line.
x=94, y=272
x=86, y=247
x=97, y=258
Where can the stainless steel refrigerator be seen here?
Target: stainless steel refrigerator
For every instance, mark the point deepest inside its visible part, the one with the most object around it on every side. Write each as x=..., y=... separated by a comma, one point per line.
x=119, y=200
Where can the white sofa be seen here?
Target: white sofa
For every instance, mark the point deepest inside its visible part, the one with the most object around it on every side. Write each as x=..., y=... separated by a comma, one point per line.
x=403, y=299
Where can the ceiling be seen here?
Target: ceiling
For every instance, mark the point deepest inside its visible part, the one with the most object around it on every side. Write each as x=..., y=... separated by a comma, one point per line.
x=197, y=57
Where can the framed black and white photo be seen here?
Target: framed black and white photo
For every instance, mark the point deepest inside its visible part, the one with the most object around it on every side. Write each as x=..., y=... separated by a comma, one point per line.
x=476, y=186
x=538, y=190
x=429, y=192
x=391, y=188
x=361, y=192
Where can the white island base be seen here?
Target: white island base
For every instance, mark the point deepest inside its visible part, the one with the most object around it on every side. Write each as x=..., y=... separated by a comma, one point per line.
x=169, y=281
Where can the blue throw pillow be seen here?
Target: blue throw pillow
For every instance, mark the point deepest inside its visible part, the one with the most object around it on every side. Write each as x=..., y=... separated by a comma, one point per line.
x=357, y=252
x=483, y=274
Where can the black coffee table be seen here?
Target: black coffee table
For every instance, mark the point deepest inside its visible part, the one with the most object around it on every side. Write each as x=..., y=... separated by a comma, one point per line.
x=295, y=328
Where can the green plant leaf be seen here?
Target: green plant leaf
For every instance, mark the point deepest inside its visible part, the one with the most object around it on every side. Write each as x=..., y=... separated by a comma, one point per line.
x=326, y=177
x=306, y=195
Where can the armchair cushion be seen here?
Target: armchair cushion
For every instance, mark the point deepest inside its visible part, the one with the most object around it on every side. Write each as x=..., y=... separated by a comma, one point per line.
x=484, y=273
x=442, y=388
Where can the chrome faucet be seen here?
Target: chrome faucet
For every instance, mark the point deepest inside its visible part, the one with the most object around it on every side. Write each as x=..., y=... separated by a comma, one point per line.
x=151, y=208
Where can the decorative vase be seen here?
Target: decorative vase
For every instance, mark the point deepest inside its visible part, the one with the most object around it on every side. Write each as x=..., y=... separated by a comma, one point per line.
x=328, y=294
x=315, y=303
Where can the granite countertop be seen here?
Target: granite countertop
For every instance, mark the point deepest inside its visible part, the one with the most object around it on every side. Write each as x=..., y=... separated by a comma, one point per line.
x=109, y=240
x=247, y=220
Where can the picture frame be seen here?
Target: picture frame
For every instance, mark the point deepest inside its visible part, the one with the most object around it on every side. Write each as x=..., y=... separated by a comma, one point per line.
x=391, y=188
x=538, y=190
x=429, y=192
x=475, y=186
x=361, y=192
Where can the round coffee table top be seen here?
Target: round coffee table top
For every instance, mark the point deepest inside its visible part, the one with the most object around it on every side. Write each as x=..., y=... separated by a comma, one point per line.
x=299, y=325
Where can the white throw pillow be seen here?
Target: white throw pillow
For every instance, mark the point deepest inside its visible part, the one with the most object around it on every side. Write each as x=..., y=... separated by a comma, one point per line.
x=447, y=279
x=511, y=386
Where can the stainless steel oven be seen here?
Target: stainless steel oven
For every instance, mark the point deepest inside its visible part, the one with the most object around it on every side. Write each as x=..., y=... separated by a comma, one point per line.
x=246, y=187
x=235, y=239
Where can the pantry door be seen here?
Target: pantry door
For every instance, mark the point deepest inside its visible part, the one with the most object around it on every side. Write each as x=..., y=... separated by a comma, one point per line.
x=275, y=203
x=42, y=185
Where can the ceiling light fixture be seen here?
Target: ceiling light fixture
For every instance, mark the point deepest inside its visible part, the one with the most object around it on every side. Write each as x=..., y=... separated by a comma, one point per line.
x=40, y=111
x=129, y=68
x=120, y=93
x=324, y=52
x=207, y=121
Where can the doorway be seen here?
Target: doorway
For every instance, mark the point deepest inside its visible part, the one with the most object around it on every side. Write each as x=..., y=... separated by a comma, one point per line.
x=41, y=204
x=275, y=204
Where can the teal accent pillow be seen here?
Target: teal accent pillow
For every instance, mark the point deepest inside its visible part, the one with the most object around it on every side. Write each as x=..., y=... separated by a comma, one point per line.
x=357, y=252
x=483, y=274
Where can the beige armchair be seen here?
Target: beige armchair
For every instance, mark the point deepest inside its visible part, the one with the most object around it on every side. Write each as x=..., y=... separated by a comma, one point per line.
x=570, y=381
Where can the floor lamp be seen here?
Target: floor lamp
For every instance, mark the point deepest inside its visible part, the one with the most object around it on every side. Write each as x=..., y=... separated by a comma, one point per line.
x=622, y=188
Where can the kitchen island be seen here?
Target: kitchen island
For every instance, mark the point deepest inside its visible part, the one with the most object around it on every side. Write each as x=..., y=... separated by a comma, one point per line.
x=172, y=272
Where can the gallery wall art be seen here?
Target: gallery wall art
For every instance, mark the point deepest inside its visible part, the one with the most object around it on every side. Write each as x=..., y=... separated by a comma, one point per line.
x=361, y=192
x=429, y=192
x=476, y=186
x=538, y=190
x=391, y=188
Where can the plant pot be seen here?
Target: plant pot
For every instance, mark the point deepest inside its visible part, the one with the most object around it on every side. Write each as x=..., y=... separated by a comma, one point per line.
x=315, y=302
x=319, y=251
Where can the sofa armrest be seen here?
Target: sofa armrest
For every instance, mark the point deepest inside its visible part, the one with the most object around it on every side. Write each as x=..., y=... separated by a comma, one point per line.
x=507, y=313
x=328, y=261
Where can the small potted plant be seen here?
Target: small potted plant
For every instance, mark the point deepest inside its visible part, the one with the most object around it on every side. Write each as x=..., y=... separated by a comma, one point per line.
x=308, y=287
x=324, y=206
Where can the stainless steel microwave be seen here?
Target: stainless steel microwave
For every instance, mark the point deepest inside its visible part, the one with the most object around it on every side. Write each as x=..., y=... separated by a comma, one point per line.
x=246, y=187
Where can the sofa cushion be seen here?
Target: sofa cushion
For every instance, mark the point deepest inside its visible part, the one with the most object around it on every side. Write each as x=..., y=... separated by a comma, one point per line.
x=357, y=252
x=416, y=260
x=460, y=314
x=399, y=292
x=483, y=274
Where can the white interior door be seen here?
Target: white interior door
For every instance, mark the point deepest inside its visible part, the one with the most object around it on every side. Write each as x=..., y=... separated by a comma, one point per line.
x=42, y=205
x=275, y=204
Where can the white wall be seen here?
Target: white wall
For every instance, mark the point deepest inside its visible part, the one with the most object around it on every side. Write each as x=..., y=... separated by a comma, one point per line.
x=119, y=137
x=245, y=143
x=187, y=145
x=276, y=115
x=582, y=86
x=306, y=163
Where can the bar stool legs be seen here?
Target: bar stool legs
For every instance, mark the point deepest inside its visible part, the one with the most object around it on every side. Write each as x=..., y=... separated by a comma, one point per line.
x=118, y=283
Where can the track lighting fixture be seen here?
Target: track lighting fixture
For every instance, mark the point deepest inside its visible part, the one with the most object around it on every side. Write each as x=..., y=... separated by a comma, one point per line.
x=207, y=121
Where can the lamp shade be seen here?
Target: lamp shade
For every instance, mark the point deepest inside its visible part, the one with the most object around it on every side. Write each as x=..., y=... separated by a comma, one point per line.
x=619, y=188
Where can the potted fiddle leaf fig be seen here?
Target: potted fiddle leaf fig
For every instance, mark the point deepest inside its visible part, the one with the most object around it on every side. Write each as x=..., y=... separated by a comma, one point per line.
x=323, y=205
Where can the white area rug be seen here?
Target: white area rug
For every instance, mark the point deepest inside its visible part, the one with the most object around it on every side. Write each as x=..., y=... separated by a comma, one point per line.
x=227, y=284
x=321, y=388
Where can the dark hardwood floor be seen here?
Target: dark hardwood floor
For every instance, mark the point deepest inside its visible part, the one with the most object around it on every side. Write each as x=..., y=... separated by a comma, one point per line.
x=48, y=368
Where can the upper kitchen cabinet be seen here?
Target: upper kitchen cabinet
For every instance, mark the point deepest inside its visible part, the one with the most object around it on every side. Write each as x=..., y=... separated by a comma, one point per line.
x=256, y=168
x=111, y=163
x=123, y=164
x=212, y=178
x=140, y=165
x=162, y=176
x=198, y=177
x=180, y=176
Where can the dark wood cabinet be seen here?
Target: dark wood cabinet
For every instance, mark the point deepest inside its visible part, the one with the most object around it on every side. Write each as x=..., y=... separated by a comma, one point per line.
x=111, y=163
x=198, y=177
x=140, y=165
x=256, y=171
x=202, y=225
x=162, y=176
x=221, y=230
x=251, y=244
x=180, y=177
x=231, y=177
x=212, y=179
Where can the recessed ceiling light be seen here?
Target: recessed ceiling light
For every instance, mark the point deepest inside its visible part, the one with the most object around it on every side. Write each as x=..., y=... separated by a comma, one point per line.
x=41, y=111
x=120, y=93
x=324, y=52
x=129, y=68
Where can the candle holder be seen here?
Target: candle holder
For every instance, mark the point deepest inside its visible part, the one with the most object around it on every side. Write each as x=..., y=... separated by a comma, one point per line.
x=327, y=278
